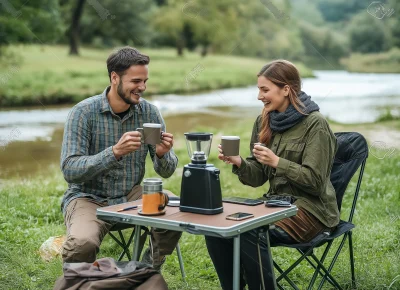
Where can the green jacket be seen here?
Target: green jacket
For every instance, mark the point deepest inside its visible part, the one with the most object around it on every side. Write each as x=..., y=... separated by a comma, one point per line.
x=306, y=152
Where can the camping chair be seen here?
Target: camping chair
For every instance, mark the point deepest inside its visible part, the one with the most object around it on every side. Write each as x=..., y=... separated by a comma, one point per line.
x=352, y=152
x=121, y=241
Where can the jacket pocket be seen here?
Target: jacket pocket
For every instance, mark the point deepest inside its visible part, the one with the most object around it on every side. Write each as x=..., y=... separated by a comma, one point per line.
x=294, y=152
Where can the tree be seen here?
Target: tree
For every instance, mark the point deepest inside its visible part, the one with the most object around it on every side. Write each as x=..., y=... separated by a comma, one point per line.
x=339, y=10
x=368, y=34
x=73, y=31
x=34, y=21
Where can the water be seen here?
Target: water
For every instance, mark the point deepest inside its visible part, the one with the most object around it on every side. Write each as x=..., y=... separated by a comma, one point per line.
x=30, y=139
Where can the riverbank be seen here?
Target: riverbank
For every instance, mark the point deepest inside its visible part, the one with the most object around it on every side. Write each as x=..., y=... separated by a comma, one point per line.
x=30, y=214
x=383, y=62
x=47, y=75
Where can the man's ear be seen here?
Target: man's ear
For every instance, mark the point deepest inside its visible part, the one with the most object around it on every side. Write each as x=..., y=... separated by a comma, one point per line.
x=114, y=78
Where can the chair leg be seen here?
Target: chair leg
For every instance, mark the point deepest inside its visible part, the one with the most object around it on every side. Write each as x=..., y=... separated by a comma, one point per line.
x=178, y=251
x=327, y=274
x=285, y=277
x=318, y=268
x=353, y=276
x=122, y=244
x=294, y=265
x=333, y=262
x=315, y=268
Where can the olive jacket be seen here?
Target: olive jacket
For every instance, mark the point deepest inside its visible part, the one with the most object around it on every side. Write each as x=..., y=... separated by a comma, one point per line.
x=306, y=153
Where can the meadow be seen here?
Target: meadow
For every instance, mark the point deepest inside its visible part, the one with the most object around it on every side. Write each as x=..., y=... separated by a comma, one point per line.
x=30, y=214
x=44, y=75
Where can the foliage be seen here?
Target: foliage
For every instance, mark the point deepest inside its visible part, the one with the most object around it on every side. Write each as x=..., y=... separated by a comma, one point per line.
x=35, y=21
x=368, y=34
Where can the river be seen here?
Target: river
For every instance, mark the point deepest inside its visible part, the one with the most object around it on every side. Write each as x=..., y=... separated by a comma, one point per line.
x=30, y=138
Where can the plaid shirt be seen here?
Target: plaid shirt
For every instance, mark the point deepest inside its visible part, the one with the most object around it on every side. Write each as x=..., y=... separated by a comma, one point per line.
x=87, y=160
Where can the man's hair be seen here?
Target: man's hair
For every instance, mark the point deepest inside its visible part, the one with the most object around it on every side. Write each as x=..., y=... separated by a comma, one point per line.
x=122, y=59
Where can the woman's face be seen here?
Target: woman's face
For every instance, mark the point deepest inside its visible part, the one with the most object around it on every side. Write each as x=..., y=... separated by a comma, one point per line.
x=272, y=96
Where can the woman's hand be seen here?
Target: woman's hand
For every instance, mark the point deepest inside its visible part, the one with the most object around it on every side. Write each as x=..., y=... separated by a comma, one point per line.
x=265, y=156
x=233, y=160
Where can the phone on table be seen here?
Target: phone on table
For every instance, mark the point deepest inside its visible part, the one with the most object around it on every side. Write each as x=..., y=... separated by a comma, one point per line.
x=242, y=200
x=238, y=216
x=277, y=203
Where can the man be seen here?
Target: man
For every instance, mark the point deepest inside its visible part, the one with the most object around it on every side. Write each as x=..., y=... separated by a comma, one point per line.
x=103, y=159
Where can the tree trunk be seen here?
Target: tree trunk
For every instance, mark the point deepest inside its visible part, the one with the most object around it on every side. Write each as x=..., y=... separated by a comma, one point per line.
x=204, y=50
x=74, y=28
x=180, y=46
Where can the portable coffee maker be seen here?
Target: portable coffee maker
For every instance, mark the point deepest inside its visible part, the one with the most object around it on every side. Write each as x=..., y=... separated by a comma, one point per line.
x=201, y=188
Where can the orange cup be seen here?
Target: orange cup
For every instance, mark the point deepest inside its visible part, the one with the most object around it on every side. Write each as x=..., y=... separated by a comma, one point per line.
x=154, y=203
x=154, y=199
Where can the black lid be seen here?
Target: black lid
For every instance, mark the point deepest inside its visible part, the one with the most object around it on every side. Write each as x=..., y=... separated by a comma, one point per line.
x=198, y=136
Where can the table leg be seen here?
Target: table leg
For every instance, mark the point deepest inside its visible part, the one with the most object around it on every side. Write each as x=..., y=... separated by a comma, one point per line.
x=270, y=261
x=236, y=262
x=136, y=242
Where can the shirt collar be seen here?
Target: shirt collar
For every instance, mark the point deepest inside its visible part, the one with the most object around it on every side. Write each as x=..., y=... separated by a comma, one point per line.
x=105, y=105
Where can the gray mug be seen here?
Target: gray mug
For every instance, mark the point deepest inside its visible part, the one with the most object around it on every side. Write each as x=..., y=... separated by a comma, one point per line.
x=151, y=133
x=230, y=145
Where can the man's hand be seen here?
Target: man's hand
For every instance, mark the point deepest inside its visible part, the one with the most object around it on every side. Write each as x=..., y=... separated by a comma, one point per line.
x=265, y=156
x=128, y=143
x=166, y=144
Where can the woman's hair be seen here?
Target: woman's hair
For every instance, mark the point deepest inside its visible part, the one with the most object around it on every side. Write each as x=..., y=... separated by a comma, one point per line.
x=281, y=73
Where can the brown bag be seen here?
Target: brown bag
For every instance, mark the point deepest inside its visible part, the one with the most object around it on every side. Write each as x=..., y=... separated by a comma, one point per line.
x=105, y=273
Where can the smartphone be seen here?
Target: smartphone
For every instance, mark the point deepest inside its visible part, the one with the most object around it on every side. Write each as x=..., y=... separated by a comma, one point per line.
x=242, y=200
x=238, y=216
x=277, y=203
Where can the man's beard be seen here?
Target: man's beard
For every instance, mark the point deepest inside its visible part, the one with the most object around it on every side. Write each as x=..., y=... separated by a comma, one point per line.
x=121, y=94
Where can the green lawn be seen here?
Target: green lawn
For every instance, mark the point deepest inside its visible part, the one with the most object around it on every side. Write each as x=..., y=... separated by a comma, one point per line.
x=47, y=75
x=30, y=213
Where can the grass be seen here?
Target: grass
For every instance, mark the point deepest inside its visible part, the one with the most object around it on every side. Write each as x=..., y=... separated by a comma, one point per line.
x=47, y=75
x=30, y=213
x=383, y=62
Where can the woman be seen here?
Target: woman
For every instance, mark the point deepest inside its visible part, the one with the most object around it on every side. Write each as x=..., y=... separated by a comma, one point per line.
x=297, y=162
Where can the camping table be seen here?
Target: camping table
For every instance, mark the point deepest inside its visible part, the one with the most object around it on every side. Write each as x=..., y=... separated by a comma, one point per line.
x=211, y=225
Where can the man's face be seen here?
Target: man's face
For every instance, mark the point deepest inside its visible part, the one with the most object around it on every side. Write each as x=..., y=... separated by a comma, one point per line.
x=132, y=84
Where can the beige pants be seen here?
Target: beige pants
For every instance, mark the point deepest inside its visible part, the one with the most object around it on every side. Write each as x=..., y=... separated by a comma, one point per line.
x=85, y=231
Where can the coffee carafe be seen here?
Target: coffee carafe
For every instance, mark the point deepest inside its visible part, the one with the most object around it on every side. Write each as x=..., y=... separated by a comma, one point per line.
x=201, y=188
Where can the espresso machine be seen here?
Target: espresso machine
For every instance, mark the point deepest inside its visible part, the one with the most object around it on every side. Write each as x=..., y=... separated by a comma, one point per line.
x=201, y=188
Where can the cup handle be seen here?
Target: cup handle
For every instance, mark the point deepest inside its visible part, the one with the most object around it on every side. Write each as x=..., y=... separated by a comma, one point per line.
x=164, y=202
x=141, y=132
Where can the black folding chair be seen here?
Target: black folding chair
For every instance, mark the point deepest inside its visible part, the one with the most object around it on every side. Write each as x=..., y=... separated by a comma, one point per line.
x=352, y=152
x=125, y=244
